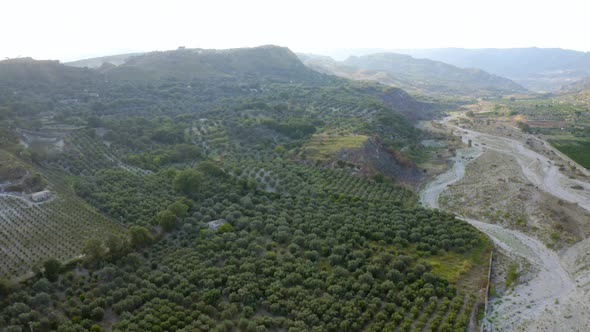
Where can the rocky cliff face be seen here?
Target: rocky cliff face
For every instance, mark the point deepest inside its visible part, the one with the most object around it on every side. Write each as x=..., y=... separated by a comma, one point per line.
x=373, y=157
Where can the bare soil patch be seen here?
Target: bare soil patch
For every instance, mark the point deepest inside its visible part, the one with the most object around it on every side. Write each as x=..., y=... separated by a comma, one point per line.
x=495, y=190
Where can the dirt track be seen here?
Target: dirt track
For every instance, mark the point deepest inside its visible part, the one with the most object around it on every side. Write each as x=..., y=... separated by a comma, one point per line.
x=556, y=297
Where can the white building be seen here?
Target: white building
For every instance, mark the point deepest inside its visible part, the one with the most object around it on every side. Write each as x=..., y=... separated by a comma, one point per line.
x=40, y=196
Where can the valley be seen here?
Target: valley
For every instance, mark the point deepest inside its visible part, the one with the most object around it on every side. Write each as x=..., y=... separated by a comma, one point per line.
x=223, y=190
x=294, y=166
x=552, y=291
x=257, y=189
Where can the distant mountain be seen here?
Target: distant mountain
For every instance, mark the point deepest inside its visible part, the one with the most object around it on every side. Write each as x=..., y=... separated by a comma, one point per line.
x=539, y=69
x=272, y=63
x=41, y=72
x=116, y=60
x=416, y=75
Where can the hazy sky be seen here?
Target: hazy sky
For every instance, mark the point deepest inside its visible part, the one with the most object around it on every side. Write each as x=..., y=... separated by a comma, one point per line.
x=67, y=30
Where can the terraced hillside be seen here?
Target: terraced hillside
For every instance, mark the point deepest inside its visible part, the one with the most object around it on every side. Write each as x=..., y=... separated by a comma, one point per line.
x=55, y=226
x=248, y=192
x=31, y=233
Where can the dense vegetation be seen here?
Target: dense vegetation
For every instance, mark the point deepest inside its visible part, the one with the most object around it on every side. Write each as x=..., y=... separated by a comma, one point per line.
x=229, y=205
x=578, y=150
x=328, y=255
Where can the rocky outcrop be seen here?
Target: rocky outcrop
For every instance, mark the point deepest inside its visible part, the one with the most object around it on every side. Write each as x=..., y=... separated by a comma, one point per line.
x=373, y=157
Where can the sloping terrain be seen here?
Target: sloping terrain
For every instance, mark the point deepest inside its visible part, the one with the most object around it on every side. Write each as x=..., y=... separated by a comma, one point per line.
x=417, y=75
x=36, y=74
x=576, y=87
x=197, y=158
x=268, y=62
x=403, y=103
x=95, y=63
x=373, y=157
x=584, y=96
x=538, y=69
x=31, y=231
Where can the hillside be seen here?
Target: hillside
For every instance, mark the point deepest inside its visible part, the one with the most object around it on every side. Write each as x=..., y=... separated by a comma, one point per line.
x=576, y=87
x=94, y=63
x=30, y=73
x=271, y=63
x=539, y=69
x=415, y=75
x=583, y=96
x=223, y=190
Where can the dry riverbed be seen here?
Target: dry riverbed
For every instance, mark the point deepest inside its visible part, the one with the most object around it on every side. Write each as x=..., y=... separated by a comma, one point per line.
x=495, y=190
x=523, y=199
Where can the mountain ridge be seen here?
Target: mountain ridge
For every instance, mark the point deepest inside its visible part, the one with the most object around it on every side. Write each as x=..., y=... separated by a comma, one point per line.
x=416, y=75
x=94, y=63
x=39, y=72
x=269, y=61
x=539, y=69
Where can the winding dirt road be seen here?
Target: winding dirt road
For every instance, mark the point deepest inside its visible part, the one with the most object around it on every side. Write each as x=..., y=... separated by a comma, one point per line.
x=556, y=298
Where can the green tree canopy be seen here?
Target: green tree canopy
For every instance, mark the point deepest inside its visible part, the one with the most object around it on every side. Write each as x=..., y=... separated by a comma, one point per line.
x=52, y=268
x=166, y=219
x=93, y=249
x=140, y=236
x=188, y=181
x=4, y=289
x=179, y=209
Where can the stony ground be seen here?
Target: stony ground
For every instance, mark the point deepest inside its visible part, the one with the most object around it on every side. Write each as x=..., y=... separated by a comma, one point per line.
x=495, y=190
x=520, y=194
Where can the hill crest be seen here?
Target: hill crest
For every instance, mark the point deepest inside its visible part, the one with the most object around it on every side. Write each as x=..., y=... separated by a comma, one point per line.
x=270, y=62
x=415, y=75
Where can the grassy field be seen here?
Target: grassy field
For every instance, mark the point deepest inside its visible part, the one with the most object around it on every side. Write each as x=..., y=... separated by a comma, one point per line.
x=324, y=146
x=578, y=150
x=453, y=266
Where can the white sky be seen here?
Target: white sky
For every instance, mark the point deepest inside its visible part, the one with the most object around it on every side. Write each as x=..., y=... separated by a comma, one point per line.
x=68, y=30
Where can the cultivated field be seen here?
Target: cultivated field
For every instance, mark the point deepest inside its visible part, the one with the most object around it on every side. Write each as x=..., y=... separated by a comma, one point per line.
x=31, y=233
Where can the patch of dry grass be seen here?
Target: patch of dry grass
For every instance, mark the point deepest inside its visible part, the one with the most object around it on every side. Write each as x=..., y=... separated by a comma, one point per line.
x=324, y=146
